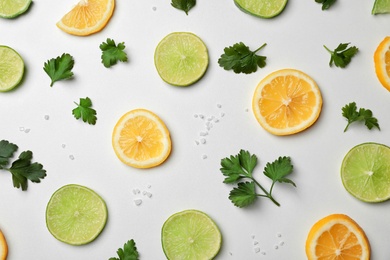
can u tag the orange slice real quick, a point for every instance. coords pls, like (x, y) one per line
(87, 17)
(382, 62)
(3, 247)
(141, 139)
(286, 102)
(337, 237)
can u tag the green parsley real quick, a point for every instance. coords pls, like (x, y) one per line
(21, 169)
(352, 114)
(85, 111)
(342, 55)
(112, 53)
(238, 168)
(59, 68)
(326, 3)
(241, 59)
(129, 252)
(184, 5)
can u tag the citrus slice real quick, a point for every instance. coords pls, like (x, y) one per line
(181, 58)
(286, 102)
(87, 17)
(75, 214)
(3, 247)
(381, 7)
(382, 62)
(262, 8)
(337, 236)
(141, 139)
(11, 68)
(13, 8)
(192, 235)
(365, 172)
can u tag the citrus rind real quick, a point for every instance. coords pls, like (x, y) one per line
(19, 7)
(3, 247)
(261, 8)
(382, 62)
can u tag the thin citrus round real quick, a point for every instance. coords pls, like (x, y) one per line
(337, 236)
(286, 102)
(381, 7)
(382, 62)
(11, 68)
(365, 172)
(141, 139)
(87, 17)
(262, 8)
(181, 58)
(13, 8)
(3, 247)
(191, 235)
(75, 214)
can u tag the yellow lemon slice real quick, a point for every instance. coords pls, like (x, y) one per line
(3, 247)
(382, 62)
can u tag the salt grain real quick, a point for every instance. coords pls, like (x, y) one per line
(257, 249)
(203, 141)
(46, 117)
(27, 130)
(137, 202)
(71, 157)
(204, 156)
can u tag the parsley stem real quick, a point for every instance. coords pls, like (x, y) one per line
(266, 193)
(328, 49)
(262, 46)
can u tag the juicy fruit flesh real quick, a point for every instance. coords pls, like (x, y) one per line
(181, 58)
(381, 7)
(12, 8)
(382, 62)
(11, 68)
(262, 8)
(190, 235)
(366, 172)
(387, 62)
(85, 14)
(76, 215)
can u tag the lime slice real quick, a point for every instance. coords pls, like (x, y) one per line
(13, 8)
(11, 68)
(365, 172)
(191, 235)
(76, 214)
(181, 58)
(262, 8)
(381, 7)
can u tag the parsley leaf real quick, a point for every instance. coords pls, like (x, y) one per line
(342, 55)
(184, 5)
(352, 114)
(112, 53)
(326, 3)
(241, 166)
(59, 68)
(241, 59)
(129, 252)
(84, 111)
(21, 169)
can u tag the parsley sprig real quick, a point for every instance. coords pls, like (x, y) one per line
(184, 5)
(129, 252)
(352, 114)
(241, 59)
(326, 3)
(112, 52)
(239, 169)
(85, 111)
(59, 68)
(342, 55)
(21, 169)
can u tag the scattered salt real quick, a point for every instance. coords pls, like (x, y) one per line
(204, 156)
(219, 105)
(46, 117)
(203, 141)
(21, 128)
(257, 249)
(137, 202)
(71, 157)
(63, 145)
(27, 130)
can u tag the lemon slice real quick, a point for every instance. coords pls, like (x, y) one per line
(13, 8)
(75, 214)
(181, 58)
(11, 68)
(262, 8)
(3, 247)
(192, 235)
(382, 62)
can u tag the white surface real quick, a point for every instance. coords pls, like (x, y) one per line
(294, 39)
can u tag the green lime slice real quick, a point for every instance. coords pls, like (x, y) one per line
(75, 214)
(181, 58)
(262, 8)
(381, 7)
(365, 172)
(11, 68)
(13, 8)
(190, 235)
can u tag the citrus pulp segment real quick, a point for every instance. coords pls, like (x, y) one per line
(192, 235)
(141, 139)
(382, 62)
(87, 17)
(3, 247)
(381, 7)
(181, 58)
(75, 214)
(11, 68)
(337, 236)
(286, 102)
(13, 8)
(262, 8)
(365, 172)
